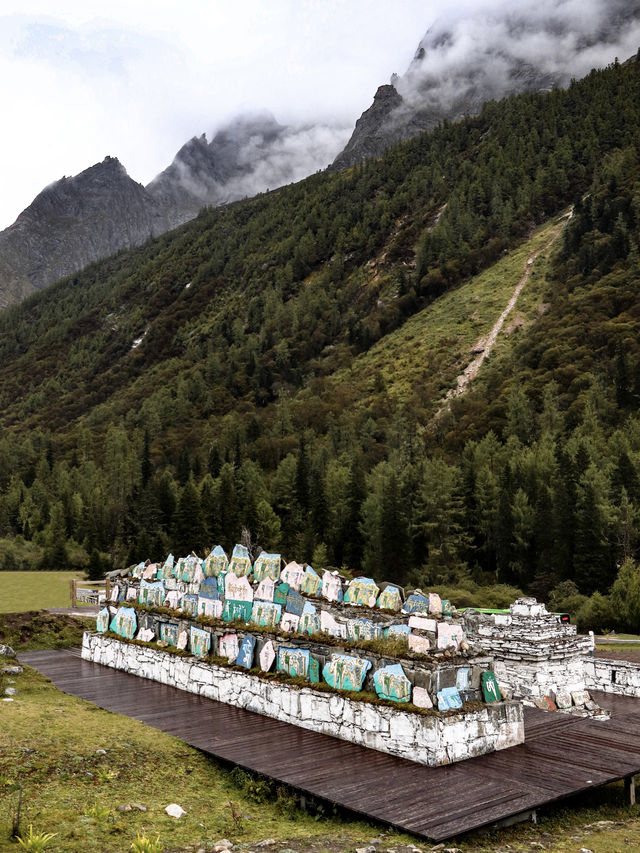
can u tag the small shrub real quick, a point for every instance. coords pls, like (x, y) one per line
(35, 842)
(143, 844)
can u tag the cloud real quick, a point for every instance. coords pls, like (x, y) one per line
(486, 49)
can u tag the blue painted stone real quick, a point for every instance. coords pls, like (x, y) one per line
(245, 653)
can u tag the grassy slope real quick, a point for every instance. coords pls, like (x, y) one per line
(20, 591)
(425, 355)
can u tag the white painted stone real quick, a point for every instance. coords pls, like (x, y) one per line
(418, 643)
(421, 698)
(421, 623)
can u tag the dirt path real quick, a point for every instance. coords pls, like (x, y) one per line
(485, 344)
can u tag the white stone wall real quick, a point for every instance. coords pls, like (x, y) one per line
(433, 740)
(613, 676)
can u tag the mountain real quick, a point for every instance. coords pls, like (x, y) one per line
(487, 53)
(305, 364)
(80, 219)
(71, 223)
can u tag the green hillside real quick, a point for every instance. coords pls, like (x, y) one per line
(283, 364)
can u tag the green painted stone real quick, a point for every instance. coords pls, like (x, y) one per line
(490, 689)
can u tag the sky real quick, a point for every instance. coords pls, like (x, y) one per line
(135, 80)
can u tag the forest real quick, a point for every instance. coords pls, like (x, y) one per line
(221, 377)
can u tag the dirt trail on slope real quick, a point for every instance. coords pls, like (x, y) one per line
(486, 344)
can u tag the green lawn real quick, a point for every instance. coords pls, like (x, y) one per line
(20, 591)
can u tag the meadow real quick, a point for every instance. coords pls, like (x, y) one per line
(20, 591)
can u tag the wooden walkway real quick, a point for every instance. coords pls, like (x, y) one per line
(562, 755)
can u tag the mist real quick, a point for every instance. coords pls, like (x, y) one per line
(490, 49)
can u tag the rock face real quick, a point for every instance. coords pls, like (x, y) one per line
(80, 219)
(486, 54)
(69, 224)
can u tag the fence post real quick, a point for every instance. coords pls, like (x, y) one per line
(72, 584)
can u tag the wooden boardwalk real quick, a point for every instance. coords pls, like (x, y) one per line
(562, 755)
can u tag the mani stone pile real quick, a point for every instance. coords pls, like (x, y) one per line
(536, 656)
(260, 616)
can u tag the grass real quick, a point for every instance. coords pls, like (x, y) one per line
(426, 354)
(41, 630)
(52, 745)
(21, 591)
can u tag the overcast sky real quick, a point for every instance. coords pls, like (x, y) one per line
(135, 80)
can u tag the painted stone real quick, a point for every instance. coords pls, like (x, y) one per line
(189, 604)
(416, 603)
(309, 620)
(122, 592)
(145, 635)
(280, 594)
(240, 563)
(462, 678)
(151, 593)
(292, 574)
(363, 629)
(236, 611)
(228, 647)
(435, 604)
(311, 582)
(397, 631)
(294, 662)
(172, 599)
(331, 626)
(199, 642)
(449, 635)
(295, 603)
(169, 633)
(314, 669)
(391, 683)
(102, 620)
(421, 698)
(266, 590)
(422, 623)
(266, 614)
(167, 568)
(449, 699)
(362, 592)
(209, 589)
(245, 653)
(490, 689)
(217, 563)
(344, 672)
(150, 572)
(289, 623)
(170, 583)
(267, 656)
(188, 568)
(183, 639)
(580, 697)
(447, 607)
(267, 566)
(115, 592)
(390, 598)
(209, 607)
(132, 593)
(237, 588)
(331, 587)
(124, 623)
(419, 644)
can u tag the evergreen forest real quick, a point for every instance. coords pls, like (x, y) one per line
(280, 366)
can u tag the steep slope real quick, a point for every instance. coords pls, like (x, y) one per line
(102, 210)
(71, 223)
(483, 53)
(279, 363)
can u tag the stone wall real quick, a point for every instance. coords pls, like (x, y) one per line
(613, 676)
(534, 653)
(431, 739)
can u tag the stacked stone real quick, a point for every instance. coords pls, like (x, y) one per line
(535, 654)
(428, 739)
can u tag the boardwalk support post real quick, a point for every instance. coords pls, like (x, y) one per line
(630, 790)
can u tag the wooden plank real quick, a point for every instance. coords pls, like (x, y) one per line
(562, 754)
